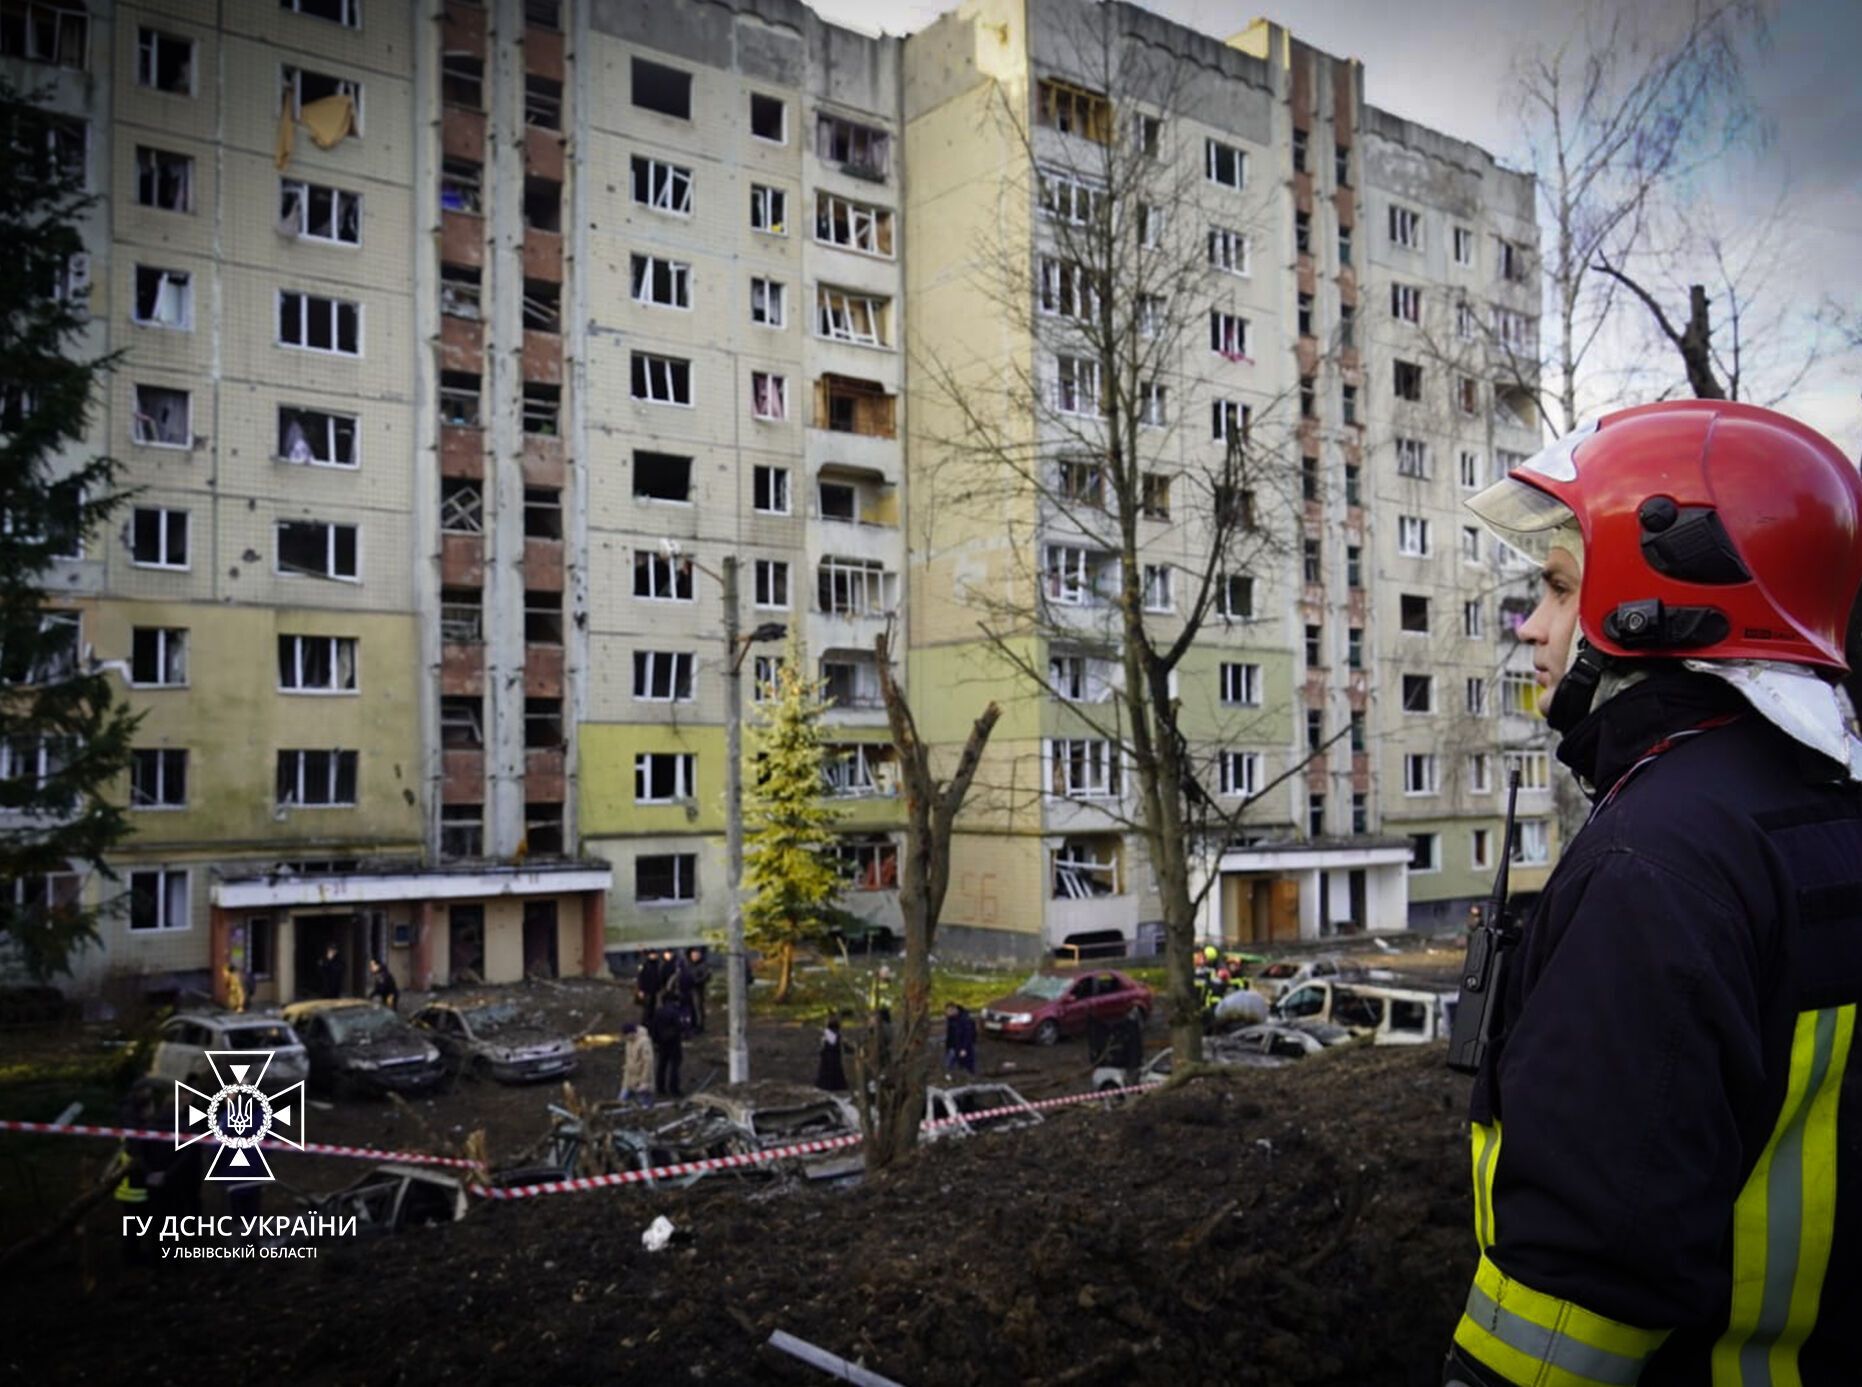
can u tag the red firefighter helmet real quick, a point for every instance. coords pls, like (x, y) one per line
(1711, 530)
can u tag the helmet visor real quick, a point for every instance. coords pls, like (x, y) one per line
(1527, 519)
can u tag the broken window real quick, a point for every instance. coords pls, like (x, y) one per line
(158, 656)
(308, 88)
(661, 777)
(1406, 380)
(1302, 232)
(162, 418)
(461, 616)
(1069, 197)
(769, 396)
(462, 80)
(862, 150)
(854, 587)
(772, 584)
(1413, 609)
(662, 477)
(838, 501)
(1240, 773)
(542, 618)
(164, 61)
(164, 179)
(856, 770)
(318, 548)
(316, 778)
(462, 830)
(848, 317)
(866, 862)
(665, 878)
(318, 324)
(543, 837)
(1419, 693)
(662, 577)
(542, 306)
(462, 724)
(1073, 110)
(1228, 335)
(769, 490)
(461, 185)
(1229, 419)
(657, 280)
(766, 302)
(1224, 164)
(347, 13)
(850, 682)
(663, 676)
(45, 31)
(664, 380)
(1405, 227)
(542, 512)
(542, 409)
(312, 212)
(1241, 684)
(1083, 768)
(1154, 497)
(662, 186)
(459, 291)
(769, 210)
(1076, 385)
(543, 722)
(854, 225)
(1080, 482)
(462, 507)
(1420, 775)
(769, 118)
(1412, 456)
(164, 298)
(1406, 303)
(158, 538)
(1235, 596)
(1068, 290)
(667, 90)
(542, 204)
(1153, 404)
(317, 664)
(459, 399)
(542, 103)
(158, 899)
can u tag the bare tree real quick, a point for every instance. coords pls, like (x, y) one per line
(892, 1106)
(1124, 258)
(1615, 118)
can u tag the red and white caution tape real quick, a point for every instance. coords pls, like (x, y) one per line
(778, 1153)
(313, 1148)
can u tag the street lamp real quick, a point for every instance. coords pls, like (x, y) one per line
(735, 647)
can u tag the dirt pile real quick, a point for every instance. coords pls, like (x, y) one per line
(1306, 1225)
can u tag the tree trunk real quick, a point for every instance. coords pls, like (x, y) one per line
(785, 970)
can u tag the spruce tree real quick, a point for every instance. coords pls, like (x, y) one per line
(789, 825)
(64, 738)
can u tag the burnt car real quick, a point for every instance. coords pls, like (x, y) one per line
(491, 1038)
(967, 1109)
(359, 1045)
(393, 1197)
(1050, 1005)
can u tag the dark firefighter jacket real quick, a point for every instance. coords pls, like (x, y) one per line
(1667, 1137)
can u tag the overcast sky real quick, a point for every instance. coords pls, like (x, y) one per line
(1445, 63)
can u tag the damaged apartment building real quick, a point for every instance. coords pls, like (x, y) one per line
(470, 349)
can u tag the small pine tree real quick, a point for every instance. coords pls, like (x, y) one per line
(789, 825)
(63, 736)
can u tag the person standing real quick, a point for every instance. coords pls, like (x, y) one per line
(637, 1077)
(668, 1036)
(959, 1039)
(701, 982)
(330, 972)
(383, 988)
(1678, 1195)
(235, 989)
(646, 986)
(830, 1067)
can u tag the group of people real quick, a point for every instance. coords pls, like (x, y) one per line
(330, 980)
(670, 990)
(1217, 975)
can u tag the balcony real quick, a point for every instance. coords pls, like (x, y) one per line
(462, 668)
(462, 345)
(543, 153)
(544, 464)
(542, 358)
(462, 561)
(543, 564)
(462, 134)
(543, 53)
(542, 253)
(464, 30)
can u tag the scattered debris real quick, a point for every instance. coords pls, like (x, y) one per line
(658, 1234)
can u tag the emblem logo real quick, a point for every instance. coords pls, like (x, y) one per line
(239, 1116)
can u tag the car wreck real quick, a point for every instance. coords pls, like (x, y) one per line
(966, 1109)
(358, 1045)
(490, 1038)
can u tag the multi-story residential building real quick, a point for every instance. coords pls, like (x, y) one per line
(472, 350)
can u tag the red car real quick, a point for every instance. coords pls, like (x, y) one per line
(1050, 1005)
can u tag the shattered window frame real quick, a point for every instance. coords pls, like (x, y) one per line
(323, 438)
(298, 212)
(154, 418)
(164, 180)
(341, 545)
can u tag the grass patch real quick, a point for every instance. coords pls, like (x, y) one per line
(851, 988)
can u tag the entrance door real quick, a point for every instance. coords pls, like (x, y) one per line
(317, 975)
(539, 939)
(1360, 914)
(465, 943)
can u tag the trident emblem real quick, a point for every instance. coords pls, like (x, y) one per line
(239, 1115)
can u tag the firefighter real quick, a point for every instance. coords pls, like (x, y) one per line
(1667, 1127)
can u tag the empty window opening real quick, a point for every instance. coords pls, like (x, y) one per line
(769, 210)
(158, 656)
(542, 409)
(542, 617)
(661, 379)
(318, 548)
(462, 830)
(316, 778)
(662, 186)
(462, 80)
(462, 507)
(657, 280)
(45, 31)
(542, 204)
(847, 405)
(842, 222)
(543, 722)
(164, 179)
(862, 150)
(462, 722)
(662, 477)
(461, 185)
(543, 103)
(839, 501)
(1414, 611)
(663, 676)
(461, 616)
(667, 90)
(459, 399)
(769, 118)
(1418, 693)
(542, 306)
(662, 777)
(158, 538)
(542, 512)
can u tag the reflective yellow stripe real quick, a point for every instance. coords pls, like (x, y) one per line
(1783, 1218)
(1486, 1155)
(1536, 1338)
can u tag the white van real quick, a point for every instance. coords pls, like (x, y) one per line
(1389, 1015)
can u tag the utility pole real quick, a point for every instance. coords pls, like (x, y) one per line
(736, 991)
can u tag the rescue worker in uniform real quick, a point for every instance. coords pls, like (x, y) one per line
(1667, 1124)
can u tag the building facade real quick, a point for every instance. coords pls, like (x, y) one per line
(471, 352)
